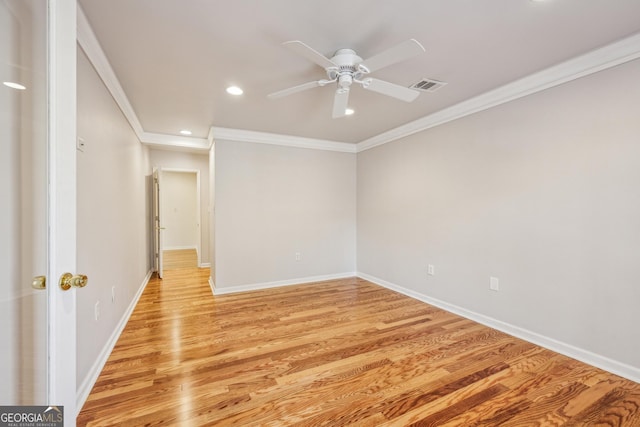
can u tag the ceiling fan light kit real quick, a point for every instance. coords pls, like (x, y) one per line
(345, 67)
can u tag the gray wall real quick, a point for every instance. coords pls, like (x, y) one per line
(181, 216)
(113, 217)
(542, 193)
(273, 202)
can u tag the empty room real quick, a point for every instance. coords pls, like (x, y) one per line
(322, 213)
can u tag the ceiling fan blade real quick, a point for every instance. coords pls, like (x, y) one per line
(340, 102)
(309, 53)
(295, 89)
(398, 53)
(390, 89)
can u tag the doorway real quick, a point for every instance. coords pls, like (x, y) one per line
(179, 219)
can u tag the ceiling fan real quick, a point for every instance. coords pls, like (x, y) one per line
(345, 67)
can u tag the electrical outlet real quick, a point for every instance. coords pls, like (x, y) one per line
(298, 256)
(97, 310)
(494, 284)
(113, 294)
(431, 270)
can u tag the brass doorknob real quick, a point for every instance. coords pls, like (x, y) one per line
(39, 282)
(68, 281)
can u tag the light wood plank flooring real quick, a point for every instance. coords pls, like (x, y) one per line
(342, 352)
(179, 258)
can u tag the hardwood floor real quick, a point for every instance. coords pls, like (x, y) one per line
(342, 352)
(179, 258)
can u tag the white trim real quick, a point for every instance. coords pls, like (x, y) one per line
(212, 285)
(92, 376)
(61, 193)
(91, 46)
(199, 219)
(205, 265)
(277, 284)
(160, 140)
(627, 371)
(276, 139)
(609, 56)
(179, 248)
(180, 170)
(210, 138)
(157, 221)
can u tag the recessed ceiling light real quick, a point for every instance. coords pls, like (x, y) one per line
(185, 132)
(14, 85)
(234, 90)
(349, 111)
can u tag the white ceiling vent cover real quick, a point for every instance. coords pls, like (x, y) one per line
(428, 85)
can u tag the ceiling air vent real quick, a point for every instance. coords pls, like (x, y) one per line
(428, 85)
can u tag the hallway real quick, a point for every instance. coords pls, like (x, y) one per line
(151, 372)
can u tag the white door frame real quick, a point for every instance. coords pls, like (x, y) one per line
(61, 43)
(158, 246)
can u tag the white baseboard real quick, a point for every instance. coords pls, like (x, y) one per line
(205, 265)
(179, 248)
(267, 285)
(212, 285)
(627, 371)
(92, 376)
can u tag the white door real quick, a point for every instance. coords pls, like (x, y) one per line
(23, 165)
(62, 205)
(158, 235)
(37, 189)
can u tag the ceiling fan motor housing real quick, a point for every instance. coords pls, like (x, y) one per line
(347, 69)
(346, 57)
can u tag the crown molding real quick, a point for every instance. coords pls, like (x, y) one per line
(617, 53)
(91, 46)
(276, 139)
(89, 43)
(161, 140)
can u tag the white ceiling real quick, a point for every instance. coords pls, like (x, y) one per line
(174, 58)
